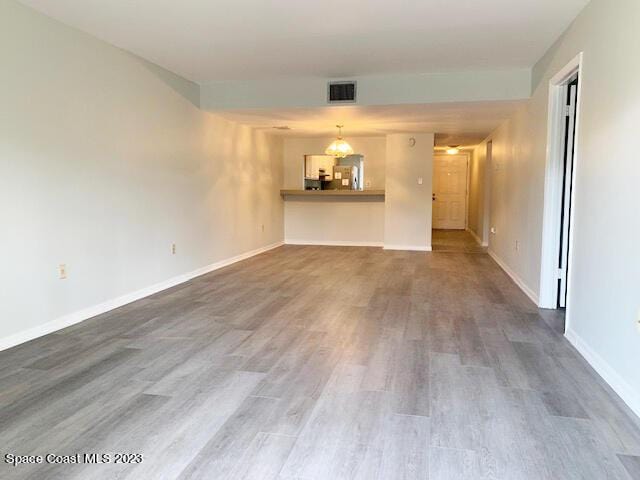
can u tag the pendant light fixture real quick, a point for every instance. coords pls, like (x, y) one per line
(339, 148)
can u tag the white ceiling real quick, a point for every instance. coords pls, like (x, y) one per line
(207, 40)
(464, 124)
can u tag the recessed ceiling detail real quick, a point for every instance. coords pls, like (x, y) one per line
(453, 123)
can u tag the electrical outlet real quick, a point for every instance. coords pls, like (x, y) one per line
(517, 245)
(62, 271)
(419, 180)
(173, 249)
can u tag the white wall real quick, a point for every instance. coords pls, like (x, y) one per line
(478, 191)
(408, 204)
(605, 278)
(104, 163)
(517, 195)
(334, 221)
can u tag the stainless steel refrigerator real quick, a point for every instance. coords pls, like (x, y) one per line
(345, 177)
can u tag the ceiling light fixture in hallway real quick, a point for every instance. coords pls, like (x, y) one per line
(453, 149)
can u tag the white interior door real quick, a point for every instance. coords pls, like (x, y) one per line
(450, 192)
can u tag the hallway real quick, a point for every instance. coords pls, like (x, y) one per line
(458, 241)
(386, 365)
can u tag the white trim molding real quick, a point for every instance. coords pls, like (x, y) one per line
(514, 276)
(333, 243)
(84, 314)
(408, 248)
(608, 374)
(553, 184)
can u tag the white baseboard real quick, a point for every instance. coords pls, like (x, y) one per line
(410, 248)
(477, 238)
(79, 316)
(518, 281)
(615, 381)
(333, 243)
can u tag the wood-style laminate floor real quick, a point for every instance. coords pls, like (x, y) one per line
(319, 363)
(455, 241)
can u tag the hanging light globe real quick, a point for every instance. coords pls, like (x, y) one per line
(339, 148)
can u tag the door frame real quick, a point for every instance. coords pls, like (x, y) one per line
(554, 173)
(439, 153)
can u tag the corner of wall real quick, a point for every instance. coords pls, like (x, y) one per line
(186, 88)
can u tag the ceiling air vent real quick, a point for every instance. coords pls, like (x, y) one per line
(341, 92)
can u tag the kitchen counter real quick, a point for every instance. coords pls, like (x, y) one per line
(332, 193)
(334, 217)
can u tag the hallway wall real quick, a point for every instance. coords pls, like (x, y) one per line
(517, 194)
(477, 192)
(604, 302)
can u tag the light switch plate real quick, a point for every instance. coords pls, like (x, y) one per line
(419, 180)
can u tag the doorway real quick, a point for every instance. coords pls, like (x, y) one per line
(559, 205)
(449, 198)
(567, 189)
